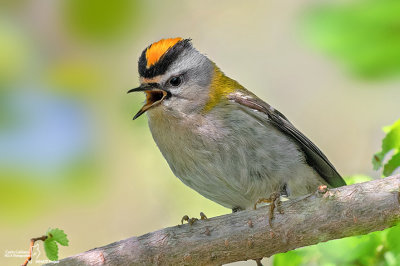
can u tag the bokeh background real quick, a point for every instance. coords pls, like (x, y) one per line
(70, 155)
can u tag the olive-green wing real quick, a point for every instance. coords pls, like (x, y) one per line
(314, 156)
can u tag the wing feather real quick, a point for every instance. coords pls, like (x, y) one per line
(314, 156)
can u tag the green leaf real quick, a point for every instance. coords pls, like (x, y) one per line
(58, 235)
(51, 249)
(390, 143)
(392, 165)
(50, 244)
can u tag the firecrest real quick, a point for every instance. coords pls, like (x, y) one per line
(219, 138)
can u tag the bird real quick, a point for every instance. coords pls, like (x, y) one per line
(219, 138)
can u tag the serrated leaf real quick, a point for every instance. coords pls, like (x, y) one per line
(58, 235)
(391, 142)
(392, 165)
(51, 249)
(392, 139)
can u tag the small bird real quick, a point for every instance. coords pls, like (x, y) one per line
(221, 139)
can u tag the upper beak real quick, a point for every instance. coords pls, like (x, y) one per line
(154, 96)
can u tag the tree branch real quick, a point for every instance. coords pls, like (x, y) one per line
(322, 216)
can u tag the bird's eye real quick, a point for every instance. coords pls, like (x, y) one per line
(175, 81)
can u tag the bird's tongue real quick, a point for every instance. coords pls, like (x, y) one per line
(153, 97)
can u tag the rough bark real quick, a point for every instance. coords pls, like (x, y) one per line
(318, 217)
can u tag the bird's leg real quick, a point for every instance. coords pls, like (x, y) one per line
(193, 219)
(274, 201)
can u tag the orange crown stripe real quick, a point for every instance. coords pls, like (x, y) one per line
(158, 49)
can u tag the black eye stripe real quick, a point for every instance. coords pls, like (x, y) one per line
(153, 85)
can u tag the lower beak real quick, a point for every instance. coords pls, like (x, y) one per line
(154, 96)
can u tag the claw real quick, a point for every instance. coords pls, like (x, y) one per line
(185, 218)
(192, 220)
(203, 216)
(236, 209)
(274, 201)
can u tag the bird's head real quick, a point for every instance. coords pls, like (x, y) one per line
(178, 79)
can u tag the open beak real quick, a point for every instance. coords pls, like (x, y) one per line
(154, 96)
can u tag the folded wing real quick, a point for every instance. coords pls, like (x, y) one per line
(314, 156)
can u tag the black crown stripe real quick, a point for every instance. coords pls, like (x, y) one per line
(164, 62)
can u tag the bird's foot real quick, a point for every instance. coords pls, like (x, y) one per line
(193, 219)
(274, 202)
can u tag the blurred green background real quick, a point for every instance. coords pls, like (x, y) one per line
(70, 155)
